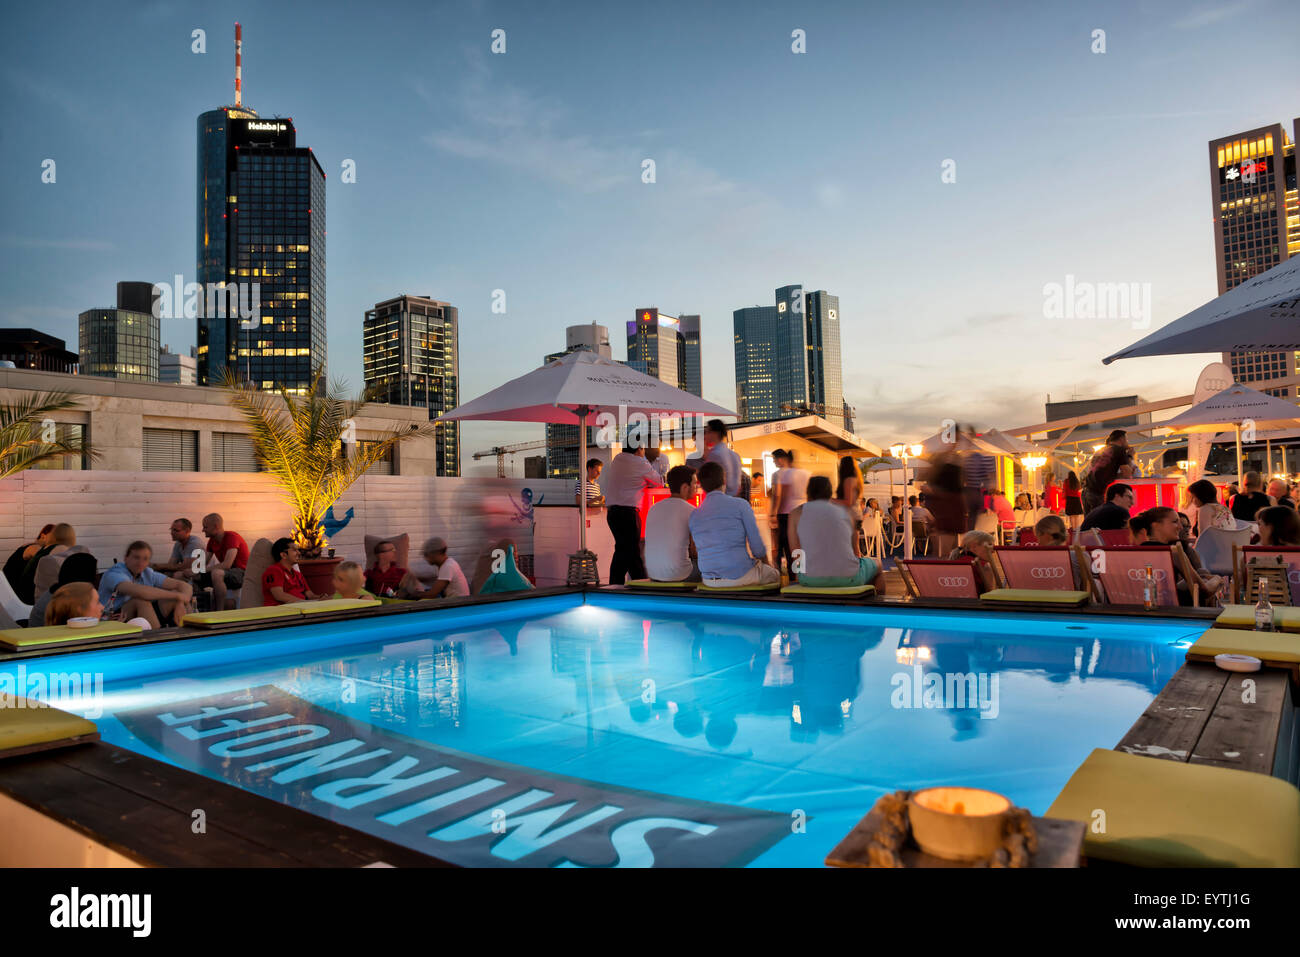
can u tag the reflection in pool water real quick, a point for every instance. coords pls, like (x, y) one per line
(809, 714)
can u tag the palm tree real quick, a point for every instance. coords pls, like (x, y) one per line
(299, 440)
(26, 436)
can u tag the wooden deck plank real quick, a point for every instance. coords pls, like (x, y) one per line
(1173, 722)
(1243, 734)
(143, 809)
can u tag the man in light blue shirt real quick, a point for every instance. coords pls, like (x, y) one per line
(716, 450)
(131, 589)
(721, 528)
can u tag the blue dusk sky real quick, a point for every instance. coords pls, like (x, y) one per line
(522, 172)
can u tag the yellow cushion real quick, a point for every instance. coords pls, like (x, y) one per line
(843, 590)
(1264, 645)
(1036, 594)
(1288, 619)
(704, 586)
(1239, 616)
(1162, 813)
(650, 583)
(17, 639)
(332, 604)
(206, 619)
(27, 725)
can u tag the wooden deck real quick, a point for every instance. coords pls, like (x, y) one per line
(1205, 715)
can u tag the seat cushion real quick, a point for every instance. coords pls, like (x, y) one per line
(1240, 616)
(1264, 645)
(23, 639)
(1036, 595)
(670, 586)
(332, 604)
(704, 586)
(27, 726)
(209, 619)
(840, 590)
(1286, 618)
(1162, 813)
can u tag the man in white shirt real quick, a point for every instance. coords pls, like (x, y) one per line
(669, 551)
(628, 475)
(789, 490)
(450, 582)
(659, 461)
(716, 450)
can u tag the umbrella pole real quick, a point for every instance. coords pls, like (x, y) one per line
(582, 565)
(1239, 475)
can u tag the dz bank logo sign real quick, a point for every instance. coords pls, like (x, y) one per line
(458, 807)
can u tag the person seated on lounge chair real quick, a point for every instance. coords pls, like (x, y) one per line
(450, 582)
(1050, 531)
(669, 551)
(73, 600)
(1279, 527)
(78, 567)
(348, 582)
(21, 555)
(1166, 529)
(979, 546)
(1139, 526)
(823, 537)
(131, 589)
(385, 575)
(283, 583)
(721, 528)
(61, 538)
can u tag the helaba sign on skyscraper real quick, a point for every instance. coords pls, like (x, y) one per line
(260, 218)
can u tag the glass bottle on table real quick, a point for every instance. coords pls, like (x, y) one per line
(1263, 608)
(1149, 590)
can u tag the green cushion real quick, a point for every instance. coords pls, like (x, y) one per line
(1037, 595)
(650, 583)
(841, 590)
(17, 639)
(1239, 616)
(207, 619)
(27, 726)
(1264, 645)
(704, 586)
(1160, 813)
(333, 604)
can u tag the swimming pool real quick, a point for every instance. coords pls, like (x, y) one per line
(569, 731)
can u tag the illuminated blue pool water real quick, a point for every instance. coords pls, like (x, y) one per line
(634, 729)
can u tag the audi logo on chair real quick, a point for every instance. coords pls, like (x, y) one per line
(953, 581)
(1047, 572)
(1137, 574)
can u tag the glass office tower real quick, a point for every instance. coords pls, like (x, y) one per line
(261, 224)
(121, 343)
(755, 346)
(788, 357)
(411, 357)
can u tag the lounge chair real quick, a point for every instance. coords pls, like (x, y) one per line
(940, 578)
(1046, 573)
(864, 592)
(28, 726)
(17, 610)
(649, 584)
(57, 636)
(1122, 571)
(1217, 548)
(1242, 556)
(259, 560)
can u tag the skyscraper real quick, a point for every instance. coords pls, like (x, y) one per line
(122, 342)
(562, 446)
(788, 357)
(692, 379)
(411, 356)
(656, 346)
(261, 224)
(755, 346)
(1256, 226)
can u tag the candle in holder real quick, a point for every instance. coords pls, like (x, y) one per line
(956, 823)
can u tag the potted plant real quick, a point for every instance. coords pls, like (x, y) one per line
(307, 443)
(29, 437)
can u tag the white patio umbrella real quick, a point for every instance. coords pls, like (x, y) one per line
(1262, 314)
(575, 389)
(1236, 406)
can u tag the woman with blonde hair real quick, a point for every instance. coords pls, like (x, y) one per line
(348, 582)
(979, 546)
(73, 600)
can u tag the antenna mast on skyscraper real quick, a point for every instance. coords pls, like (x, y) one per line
(239, 52)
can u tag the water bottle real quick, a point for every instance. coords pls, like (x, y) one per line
(1263, 608)
(1149, 590)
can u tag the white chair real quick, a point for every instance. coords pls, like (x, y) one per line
(1214, 546)
(9, 601)
(987, 522)
(873, 535)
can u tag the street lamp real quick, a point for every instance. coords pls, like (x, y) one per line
(904, 452)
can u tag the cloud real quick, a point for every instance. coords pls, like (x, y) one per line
(1207, 16)
(984, 319)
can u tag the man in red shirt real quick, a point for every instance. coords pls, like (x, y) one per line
(385, 575)
(283, 582)
(226, 562)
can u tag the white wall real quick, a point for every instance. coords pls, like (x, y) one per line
(111, 509)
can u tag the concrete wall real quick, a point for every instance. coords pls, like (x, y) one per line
(111, 509)
(117, 411)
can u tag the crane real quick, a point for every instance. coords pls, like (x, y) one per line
(501, 451)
